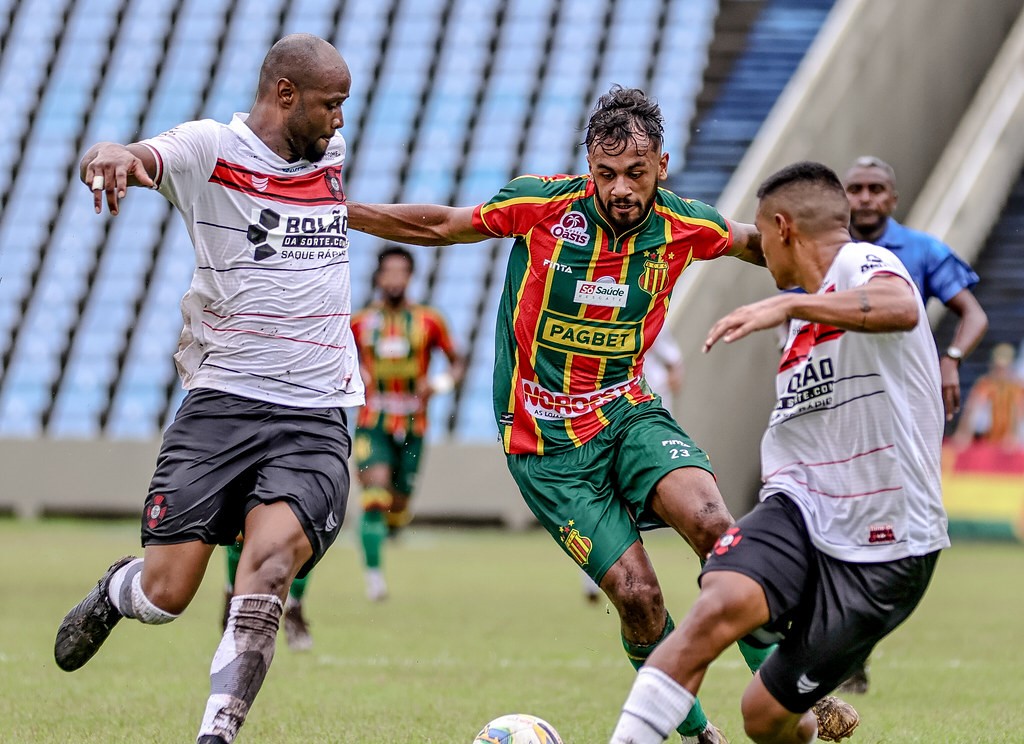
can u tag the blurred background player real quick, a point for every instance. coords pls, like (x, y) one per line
(664, 370)
(396, 339)
(994, 411)
(936, 270)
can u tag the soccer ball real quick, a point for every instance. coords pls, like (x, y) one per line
(518, 728)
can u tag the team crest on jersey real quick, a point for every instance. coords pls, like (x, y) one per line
(572, 228)
(577, 545)
(332, 176)
(655, 277)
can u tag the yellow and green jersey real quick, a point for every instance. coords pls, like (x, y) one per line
(581, 305)
(395, 345)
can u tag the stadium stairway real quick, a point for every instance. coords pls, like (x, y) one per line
(759, 43)
(1000, 290)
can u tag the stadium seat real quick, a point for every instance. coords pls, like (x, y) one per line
(457, 109)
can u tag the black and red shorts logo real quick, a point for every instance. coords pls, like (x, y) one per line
(156, 510)
(729, 540)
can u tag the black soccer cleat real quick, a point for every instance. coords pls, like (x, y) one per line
(87, 624)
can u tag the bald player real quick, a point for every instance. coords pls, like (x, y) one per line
(260, 443)
(843, 544)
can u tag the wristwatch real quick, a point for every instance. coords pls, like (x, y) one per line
(955, 352)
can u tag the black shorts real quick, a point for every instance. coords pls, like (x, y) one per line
(826, 614)
(225, 454)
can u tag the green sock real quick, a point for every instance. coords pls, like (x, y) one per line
(753, 655)
(298, 588)
(233, 553)
(696, 720)
(373, 531)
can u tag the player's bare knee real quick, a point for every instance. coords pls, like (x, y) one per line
(638, 599)
(758, 724)
(713, 520)
(167, 593)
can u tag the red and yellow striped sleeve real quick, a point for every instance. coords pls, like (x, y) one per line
(525, 201)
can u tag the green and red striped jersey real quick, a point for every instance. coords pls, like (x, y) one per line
(581, 305)
(395, 345)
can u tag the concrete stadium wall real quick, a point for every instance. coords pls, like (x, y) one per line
(887, 78)
(111, 478)
(890, 79)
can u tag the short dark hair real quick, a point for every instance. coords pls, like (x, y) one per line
(624, 115)
(394, 250)
(806, 171)
(870, 161)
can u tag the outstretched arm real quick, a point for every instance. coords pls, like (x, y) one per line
(109, 168)
(420, 224)
(746, 243)
(884, 305)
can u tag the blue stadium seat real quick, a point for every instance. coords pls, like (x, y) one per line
(539, 85)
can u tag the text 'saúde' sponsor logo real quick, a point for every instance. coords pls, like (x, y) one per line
(605, 292)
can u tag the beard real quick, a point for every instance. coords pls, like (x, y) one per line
(642, 209)
(866, 222)
(315, 151)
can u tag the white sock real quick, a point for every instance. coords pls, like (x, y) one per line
(117, 581)
(125, 593)
(240, 664)
(656, 705)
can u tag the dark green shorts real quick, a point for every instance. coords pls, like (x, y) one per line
(402, 455)
(594, 499)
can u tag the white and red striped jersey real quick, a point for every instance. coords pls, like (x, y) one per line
(855, 438)
(267, 314)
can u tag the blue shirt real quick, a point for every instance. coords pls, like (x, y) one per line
(935, 269)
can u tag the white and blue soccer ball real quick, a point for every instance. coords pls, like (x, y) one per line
(518, 728)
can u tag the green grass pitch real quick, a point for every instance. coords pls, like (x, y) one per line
(480, 623)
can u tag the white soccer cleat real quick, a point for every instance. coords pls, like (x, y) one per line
(376, 587)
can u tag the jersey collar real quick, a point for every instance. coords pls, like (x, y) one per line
(260, 149)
